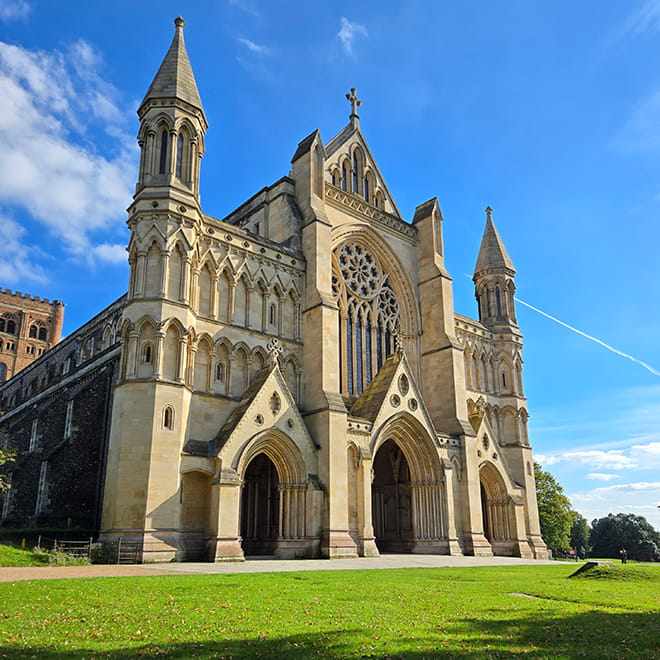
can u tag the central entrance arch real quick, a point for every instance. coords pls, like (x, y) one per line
(407, 495)
(259, 507)
(391, 500)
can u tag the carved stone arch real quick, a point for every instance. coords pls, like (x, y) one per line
(163, 120)
(391, 264)
(335, 175)
(408, 489)
(280, 449)
(345, 172)
(509, 425)
(274, 497)
(222, 365)
(195, 498)
(416, 443)
(241, 289)
(241, 346)
(257, 361)
(181, 123)
(203, 362)
(206, 293)
(292, 372)
(176, 270)
(289, 315)
(239, 370)
(498, 515)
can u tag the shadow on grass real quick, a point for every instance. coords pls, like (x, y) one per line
(598, 635)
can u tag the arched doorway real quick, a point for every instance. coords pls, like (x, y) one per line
(259, 507)
(195, 489)
(391, 500)
(496, 511)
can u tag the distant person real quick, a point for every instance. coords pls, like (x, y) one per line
(623, 553)
(582, 553)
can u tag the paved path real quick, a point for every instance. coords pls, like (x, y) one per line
(9, 574)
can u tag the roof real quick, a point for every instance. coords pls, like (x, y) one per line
(371, 400)
(492, 253)
(175, 77)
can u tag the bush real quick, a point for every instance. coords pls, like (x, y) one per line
(105, 553)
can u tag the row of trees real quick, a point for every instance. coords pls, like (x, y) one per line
(563, 528)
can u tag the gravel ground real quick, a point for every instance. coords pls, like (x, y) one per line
(13, 573)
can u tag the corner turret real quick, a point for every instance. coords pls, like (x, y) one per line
(493, 279)
(172, 128)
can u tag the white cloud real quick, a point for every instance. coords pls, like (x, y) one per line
(52, 102)
(348, 32)
(651, 449)
(596, 459)
(253, 47)
(641, 498)
(14, 9)
(16, 258)
(111, 253)
(620, 490)
(601, 476)
(644, 19)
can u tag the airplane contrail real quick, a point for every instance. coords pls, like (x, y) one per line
(584, 334)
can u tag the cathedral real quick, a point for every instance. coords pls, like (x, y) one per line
(290, 380)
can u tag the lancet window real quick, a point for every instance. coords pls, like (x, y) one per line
(368, 316)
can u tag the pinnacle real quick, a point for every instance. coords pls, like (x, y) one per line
(492, 253)
(175, 79)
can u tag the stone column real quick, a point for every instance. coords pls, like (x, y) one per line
(224, 538)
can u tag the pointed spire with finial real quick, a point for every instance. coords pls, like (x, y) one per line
(492, 253)
(355, 104)
(175, 79)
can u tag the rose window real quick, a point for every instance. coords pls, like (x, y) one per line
(368, 315)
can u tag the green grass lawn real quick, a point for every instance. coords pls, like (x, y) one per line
(11, 556)
(411, 613)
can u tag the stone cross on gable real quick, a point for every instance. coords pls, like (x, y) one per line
(355, 104)
(274, 349)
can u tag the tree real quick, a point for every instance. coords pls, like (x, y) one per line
(580, 532)
(625, 530)
(555, 511)
(6, 456)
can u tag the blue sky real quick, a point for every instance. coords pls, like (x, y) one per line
(547, 111)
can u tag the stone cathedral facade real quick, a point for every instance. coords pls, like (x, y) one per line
(291, 380)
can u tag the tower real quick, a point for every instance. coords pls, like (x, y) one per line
(494, 280)
(151, 400)
(502, 411)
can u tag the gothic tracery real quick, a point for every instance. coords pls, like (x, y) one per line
(368, 315)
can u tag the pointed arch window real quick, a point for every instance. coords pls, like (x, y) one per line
(368, 316)
(179, 155)
(11, 327)
(355, 173)
(33, 332)
(162, 168)
(366, 189)
(43, 334)
(168, 418)
(344, 182)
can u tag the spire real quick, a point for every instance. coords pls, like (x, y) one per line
(492, 253)
(175, 78)
(355, 104)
